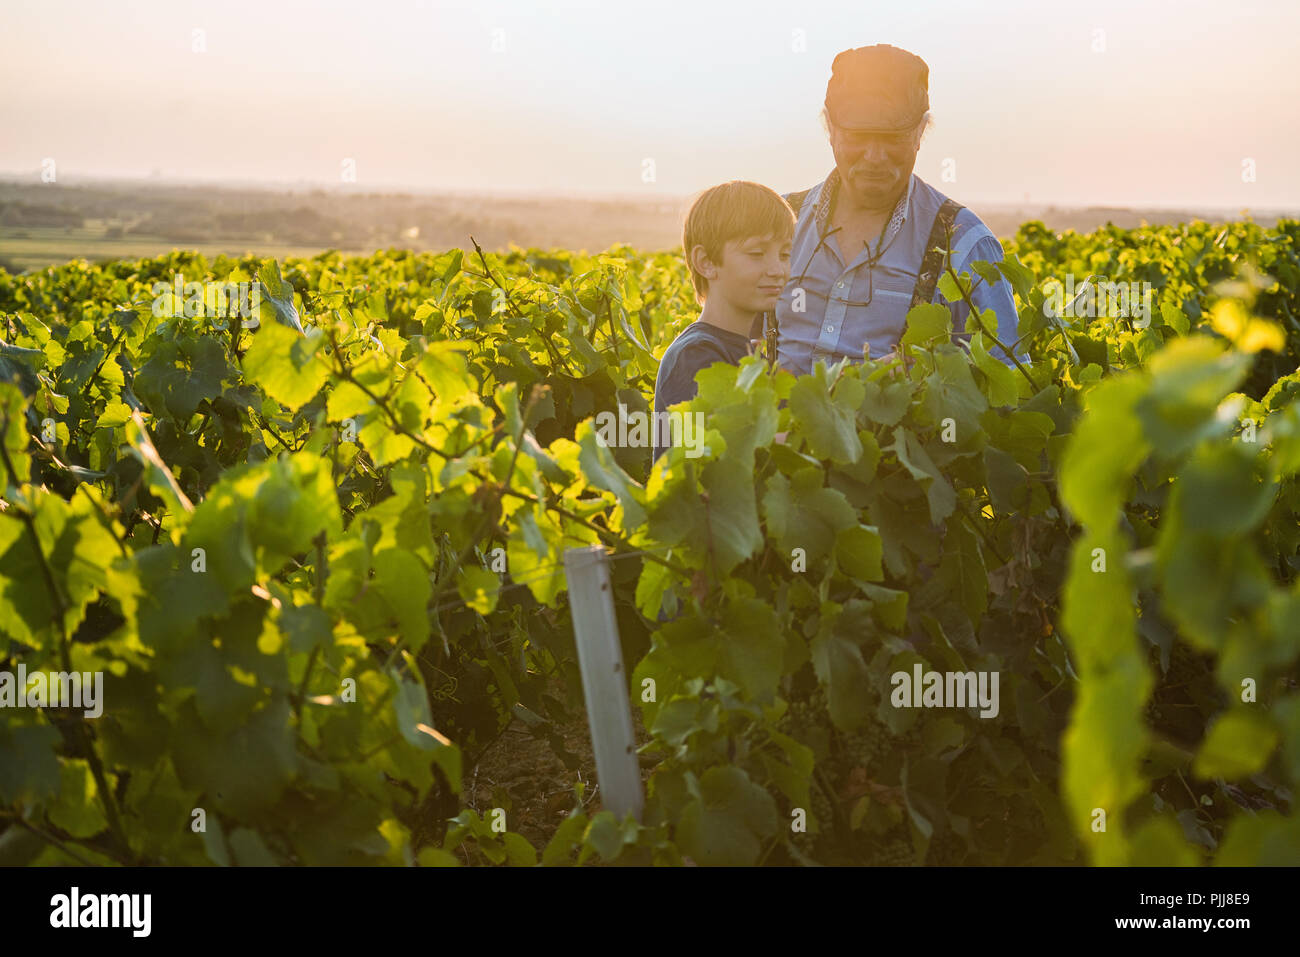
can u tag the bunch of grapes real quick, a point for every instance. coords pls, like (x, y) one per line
(805, 719)
(821, 806)
(862, 747)
(806, 713)
(892, 853)
(946, 850)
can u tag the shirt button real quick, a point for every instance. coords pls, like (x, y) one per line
(839, 285)
(830, 328)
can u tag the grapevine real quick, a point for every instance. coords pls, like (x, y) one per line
(333, 542)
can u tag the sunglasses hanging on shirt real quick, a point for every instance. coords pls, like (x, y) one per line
(769, 319)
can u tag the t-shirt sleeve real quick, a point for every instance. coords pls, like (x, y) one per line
(676, 381)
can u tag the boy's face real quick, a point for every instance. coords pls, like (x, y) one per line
(752, 273)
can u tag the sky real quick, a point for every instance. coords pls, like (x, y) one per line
(1140, 103)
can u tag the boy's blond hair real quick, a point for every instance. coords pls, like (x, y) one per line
(736, 210)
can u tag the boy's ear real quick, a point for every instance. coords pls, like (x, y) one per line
(702, 263)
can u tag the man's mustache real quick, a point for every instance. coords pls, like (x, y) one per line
(877, 173)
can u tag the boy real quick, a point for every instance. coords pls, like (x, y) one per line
(737, 239)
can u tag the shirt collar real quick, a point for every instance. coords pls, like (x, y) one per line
(831, 188)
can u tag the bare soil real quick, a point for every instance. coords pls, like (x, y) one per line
(522, 773)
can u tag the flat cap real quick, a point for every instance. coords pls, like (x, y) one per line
(882, 75)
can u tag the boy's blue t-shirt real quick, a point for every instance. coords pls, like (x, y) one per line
(699, 345)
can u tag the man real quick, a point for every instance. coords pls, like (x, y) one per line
(862, 234)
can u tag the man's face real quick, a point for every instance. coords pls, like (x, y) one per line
(753, 272)
(874, 167)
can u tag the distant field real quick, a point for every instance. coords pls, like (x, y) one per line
(44, 224)
(46, 246)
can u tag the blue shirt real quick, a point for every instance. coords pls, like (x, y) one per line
(698, 345)
(831, 327)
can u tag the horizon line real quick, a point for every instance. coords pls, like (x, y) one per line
(31, 178)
